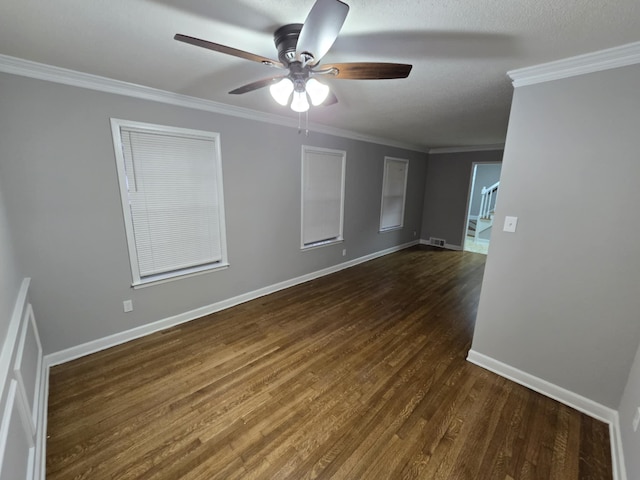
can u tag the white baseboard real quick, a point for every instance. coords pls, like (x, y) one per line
(88, 348)
(562, 395)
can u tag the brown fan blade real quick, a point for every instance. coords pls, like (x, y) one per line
(228, 50)
(265, 82)
(366, 70)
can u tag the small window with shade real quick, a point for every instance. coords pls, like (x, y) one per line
(322, 213)
(172, 200)
(394, 193)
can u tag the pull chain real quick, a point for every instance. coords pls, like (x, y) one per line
(306, 127)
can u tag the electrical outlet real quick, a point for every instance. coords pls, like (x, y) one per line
(415, 233)
(344, 252)
(636, 419)
(128, 305)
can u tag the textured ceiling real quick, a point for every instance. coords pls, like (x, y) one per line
(458, 93)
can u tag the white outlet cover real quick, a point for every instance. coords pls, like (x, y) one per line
(127, 305)
(510, 224)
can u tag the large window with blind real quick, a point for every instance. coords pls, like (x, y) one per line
(172, 200)
(394, 192)
(323, 172)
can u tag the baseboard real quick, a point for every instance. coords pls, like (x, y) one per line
(93, 346)
(562, 395)
(446, 246)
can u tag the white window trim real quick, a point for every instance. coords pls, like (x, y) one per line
(137, 281)
(404, 196)
(339, 238)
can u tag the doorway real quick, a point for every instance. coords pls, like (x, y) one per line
(481, 203)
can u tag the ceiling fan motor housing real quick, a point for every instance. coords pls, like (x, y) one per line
(286, 39)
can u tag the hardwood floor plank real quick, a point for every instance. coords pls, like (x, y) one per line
(357, 375)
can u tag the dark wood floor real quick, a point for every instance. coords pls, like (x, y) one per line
(357, 375)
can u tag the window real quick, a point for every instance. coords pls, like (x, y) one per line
(322, 195)
(394, 192)
(172, 200)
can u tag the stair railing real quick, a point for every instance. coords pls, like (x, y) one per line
(488, 201)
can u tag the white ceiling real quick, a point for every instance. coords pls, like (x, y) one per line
(458, 93)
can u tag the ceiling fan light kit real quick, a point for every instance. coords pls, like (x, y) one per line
(299, 103)
(300, 48)
(281, 91)
(318, 92)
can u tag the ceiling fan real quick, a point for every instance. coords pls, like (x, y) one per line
(300, 49)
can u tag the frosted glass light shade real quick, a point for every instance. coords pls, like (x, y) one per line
(299, 102)
(317, 91)
(281, 91)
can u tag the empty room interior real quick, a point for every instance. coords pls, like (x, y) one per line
(232, 240)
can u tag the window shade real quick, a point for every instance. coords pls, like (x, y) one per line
(173, 197)
(393, 193)
(322, 195)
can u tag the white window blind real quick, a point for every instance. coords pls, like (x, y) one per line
(171, 186)
(394, 190)
(323, 173)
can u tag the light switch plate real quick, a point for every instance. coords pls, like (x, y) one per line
(510, 224)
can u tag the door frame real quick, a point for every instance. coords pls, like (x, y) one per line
(472, 186)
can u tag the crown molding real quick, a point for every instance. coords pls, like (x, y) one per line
(477, 148)
(621, 56)
(50, 73)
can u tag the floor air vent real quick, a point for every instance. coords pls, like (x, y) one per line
(437, 242)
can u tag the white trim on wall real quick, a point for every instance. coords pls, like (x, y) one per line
(621, 56)
(29, 332)
(476, 148)
(567, 397)
(23, 371)
(11, 340)
(50, 73)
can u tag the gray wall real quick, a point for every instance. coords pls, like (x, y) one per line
(61, 190)
(446, 190)
(10, 279)
(486, 175)
(628, 407)
(560, 297)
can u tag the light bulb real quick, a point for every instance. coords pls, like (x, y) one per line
(317, 91)
(281, 91)
(299, 103)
